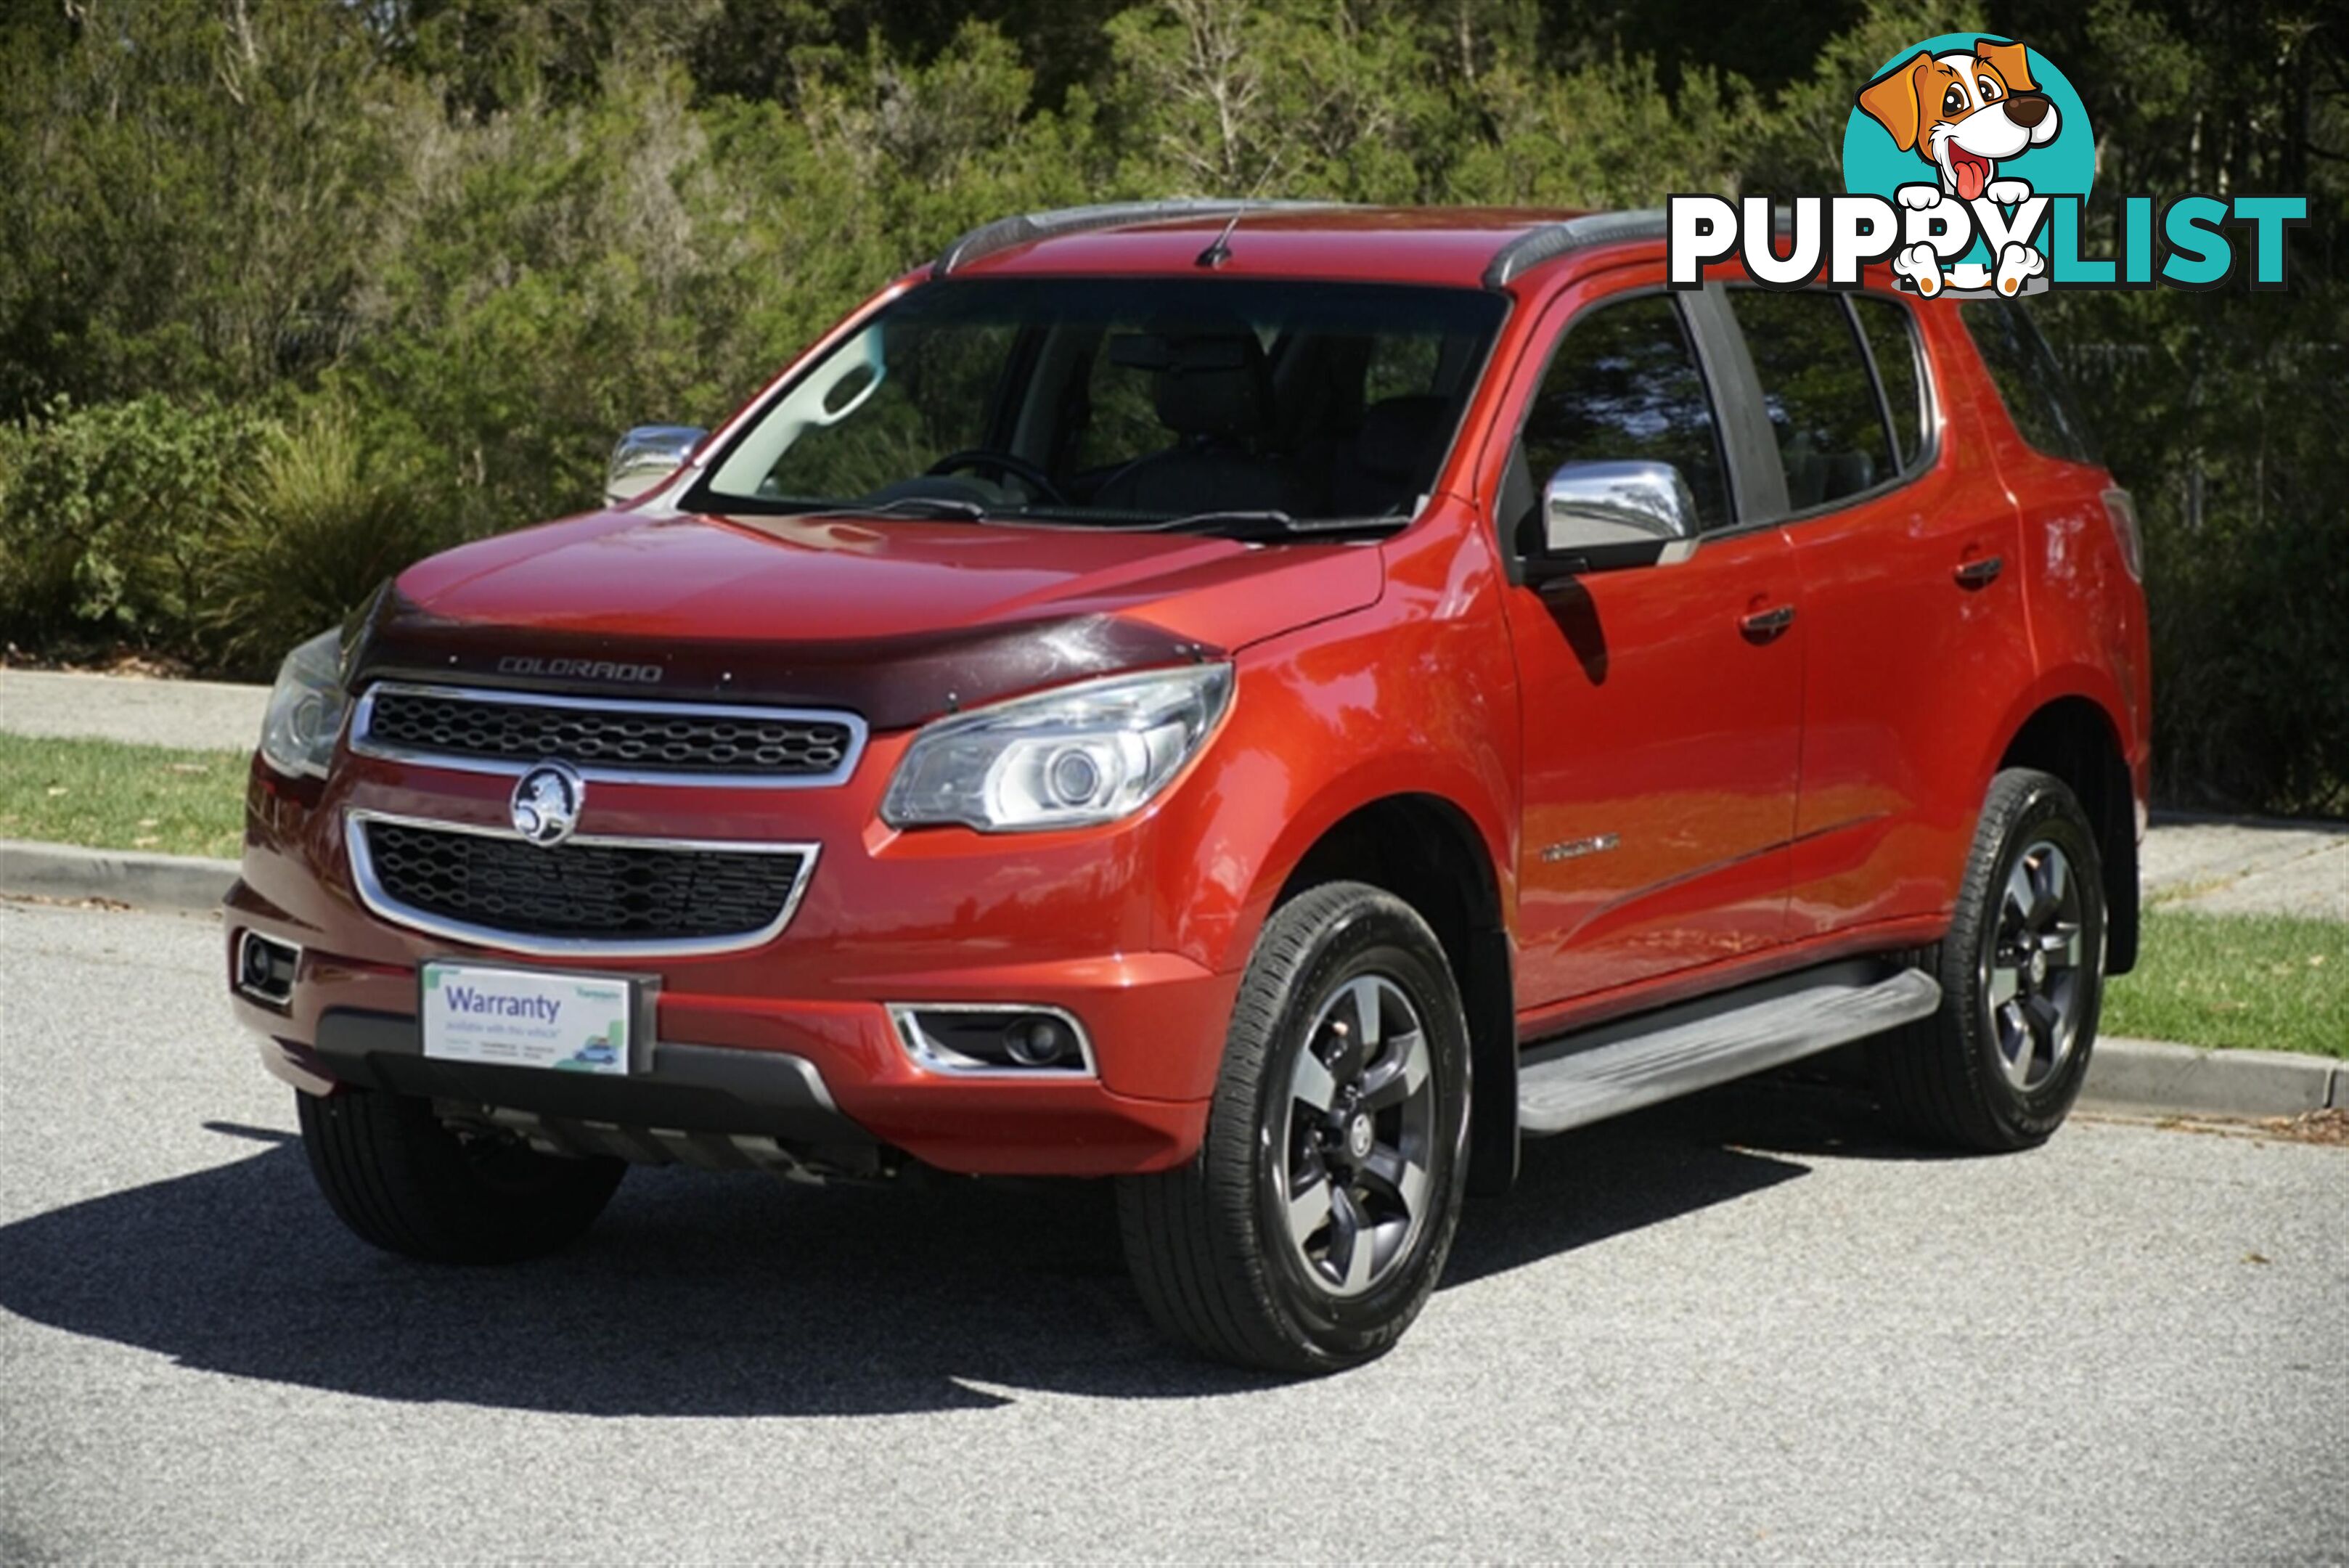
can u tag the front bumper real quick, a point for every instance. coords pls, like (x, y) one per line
(942, 918)
(828, 1078)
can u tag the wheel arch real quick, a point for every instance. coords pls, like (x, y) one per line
(1427, 851)
(2074, 736)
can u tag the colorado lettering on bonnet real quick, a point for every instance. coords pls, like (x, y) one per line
(1966, 163)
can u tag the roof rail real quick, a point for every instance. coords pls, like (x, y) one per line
(1004, 232)
(1535, 247)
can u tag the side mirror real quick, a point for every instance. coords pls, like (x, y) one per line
(644, 456)
(1597, 516)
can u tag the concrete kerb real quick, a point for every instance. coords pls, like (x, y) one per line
(2136, 1078)
(185, 883)
(2153, 1077)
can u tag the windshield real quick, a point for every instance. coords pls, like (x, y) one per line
(1122, 402)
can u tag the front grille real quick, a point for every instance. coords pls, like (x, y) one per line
(582, 892)
(649, 738)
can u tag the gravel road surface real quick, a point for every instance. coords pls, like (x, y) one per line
(1746, 1328)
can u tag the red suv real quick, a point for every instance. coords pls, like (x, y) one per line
(1272, 704)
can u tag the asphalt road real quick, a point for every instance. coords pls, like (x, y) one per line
(1746, 1328)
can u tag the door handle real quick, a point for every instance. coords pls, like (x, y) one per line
(1764, 624)
(1980, 572)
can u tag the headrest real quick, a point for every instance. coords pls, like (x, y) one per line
(1399, 435)
(1210, 374)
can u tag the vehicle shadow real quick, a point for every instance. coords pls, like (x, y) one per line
(702, 1295)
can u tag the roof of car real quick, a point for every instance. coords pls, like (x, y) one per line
(1464, 246)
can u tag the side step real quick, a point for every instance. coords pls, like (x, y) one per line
(1637, 1061)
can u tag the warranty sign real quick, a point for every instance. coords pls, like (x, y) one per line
(525, 1018)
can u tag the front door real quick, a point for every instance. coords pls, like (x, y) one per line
(1661, 705)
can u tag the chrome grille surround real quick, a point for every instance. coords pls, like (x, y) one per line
(639, 741)
(378, 900)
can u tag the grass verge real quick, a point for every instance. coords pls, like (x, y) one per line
(111, 795)
(2268, 982)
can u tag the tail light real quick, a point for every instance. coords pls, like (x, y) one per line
(2121, 513)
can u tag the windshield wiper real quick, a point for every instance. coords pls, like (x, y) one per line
(1269, 525)
(922, 507)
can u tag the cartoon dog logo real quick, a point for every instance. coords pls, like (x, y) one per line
(1960, 112)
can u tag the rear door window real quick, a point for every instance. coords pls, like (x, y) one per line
(1822, 402)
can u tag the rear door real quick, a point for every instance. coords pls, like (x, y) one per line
(1905, 546)
(1661, 705)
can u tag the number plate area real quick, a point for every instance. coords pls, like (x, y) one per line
(563, 1023)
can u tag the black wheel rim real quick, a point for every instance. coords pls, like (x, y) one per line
(1354, 1137)
(2036, 981)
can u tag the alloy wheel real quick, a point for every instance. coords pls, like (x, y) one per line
(2032, 975)
(1358, 1136)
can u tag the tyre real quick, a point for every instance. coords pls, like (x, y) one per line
(404, 1182)
(2022, 975)
(1308, 1231)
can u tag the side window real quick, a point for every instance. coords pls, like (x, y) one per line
(1821, 399)
(1625, 385)
(1891, 334)
(2030, 382)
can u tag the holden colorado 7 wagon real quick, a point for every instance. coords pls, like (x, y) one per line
(1270, 704)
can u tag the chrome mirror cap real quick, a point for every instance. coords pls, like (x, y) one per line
(644, 457)
(1601, 507)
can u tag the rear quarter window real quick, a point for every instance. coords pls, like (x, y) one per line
(2030, 382)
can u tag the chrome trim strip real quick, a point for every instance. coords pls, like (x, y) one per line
(363, 714)
(384, 906)
(925, 1054)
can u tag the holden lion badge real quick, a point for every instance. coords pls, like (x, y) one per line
(548, 801)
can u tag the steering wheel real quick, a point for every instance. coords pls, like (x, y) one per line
(1003, 462)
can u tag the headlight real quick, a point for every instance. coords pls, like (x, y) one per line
(305, 708)
(1085, 754)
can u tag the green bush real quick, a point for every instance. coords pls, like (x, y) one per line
(317, 523)
(215, 535)
(2251, 665)
(110, 517)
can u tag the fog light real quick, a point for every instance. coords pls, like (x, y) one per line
(1005, 1041)
(1037, 1041)
(264, 968)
